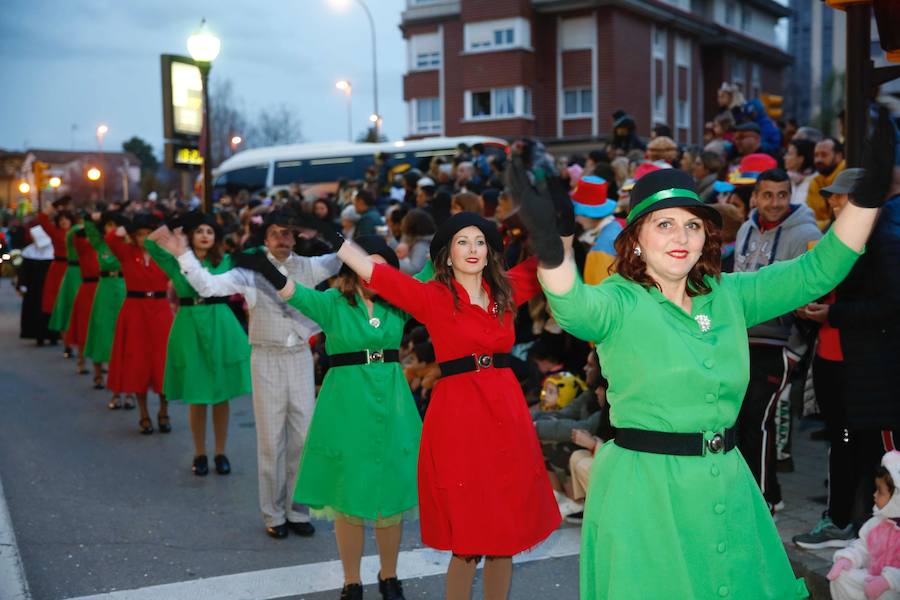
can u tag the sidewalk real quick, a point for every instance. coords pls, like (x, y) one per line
(804, 495)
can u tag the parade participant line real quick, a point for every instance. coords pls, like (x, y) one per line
(13, 584)
(325, 576)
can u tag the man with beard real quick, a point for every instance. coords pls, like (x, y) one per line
(828, 160)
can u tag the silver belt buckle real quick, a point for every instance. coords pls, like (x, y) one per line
(484, 361)
(200, 300)
(148, 294)
(716, 443)
(374, 356)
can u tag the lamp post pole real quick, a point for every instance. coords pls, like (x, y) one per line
(207, 138)
(376, 123)
(346, 87)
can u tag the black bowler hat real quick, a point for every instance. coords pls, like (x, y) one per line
(666, 188)
(374, 244)
(194, 219)
(462, 220)
(748, 126)
(143, 220)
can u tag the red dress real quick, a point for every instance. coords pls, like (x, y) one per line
(138, 357)
(483, 488)
(84, 300)
(59, 265)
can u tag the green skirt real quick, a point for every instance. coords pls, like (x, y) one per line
(105, 311)
(208, 356)
(65, 300)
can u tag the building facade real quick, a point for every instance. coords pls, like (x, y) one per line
(558, 69)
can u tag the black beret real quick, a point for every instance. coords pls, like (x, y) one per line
(143, 220)
(451, 226)
(375, 244)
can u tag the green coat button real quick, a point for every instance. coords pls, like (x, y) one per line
(714, 471)
(709, 363)
(723, 591)
(710, 397)
(719, 508)
(721, 547)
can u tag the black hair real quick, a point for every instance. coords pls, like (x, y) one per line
(549, 347)
(662, 130)
(712, 161)
(598, 156)
(417, 335)
(479, 147)
(775, 175)
(424, 352)
(838, 146)
(396, 215)
(807, 150)
(366, 196)
(883, 474)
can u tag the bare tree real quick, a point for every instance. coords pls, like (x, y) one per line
(276, 125)
(228, 119)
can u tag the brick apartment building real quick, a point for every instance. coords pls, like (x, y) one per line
(558, 69)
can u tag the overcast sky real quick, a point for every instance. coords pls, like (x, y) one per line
(88, 62)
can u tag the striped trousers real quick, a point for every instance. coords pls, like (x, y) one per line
(283, 403)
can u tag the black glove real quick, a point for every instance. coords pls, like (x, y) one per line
(538, 213)
(259, 262)
(562, 202)
(871, 191)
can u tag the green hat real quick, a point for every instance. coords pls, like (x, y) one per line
(666, 188)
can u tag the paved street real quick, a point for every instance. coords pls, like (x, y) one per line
(100, 511)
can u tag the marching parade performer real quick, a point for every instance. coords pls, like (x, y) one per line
(108, 299)
(138, 356)
(65, 298)
(359, 462)
(208, 356)
(56, 228)
(483, 489)
(281, 363)
(37, 257)
(89, 272)
(672, 510)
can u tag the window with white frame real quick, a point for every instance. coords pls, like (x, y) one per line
(427, 115)
(498, 103)
(578, 102)
(683, 96)
(755, 81)
(498, 34)
(576, 34)
(424, 51)
(658, 74)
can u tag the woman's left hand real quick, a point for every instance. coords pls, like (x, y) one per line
(583, 439)
(815, 312)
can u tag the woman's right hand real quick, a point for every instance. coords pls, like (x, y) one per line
(402, 250)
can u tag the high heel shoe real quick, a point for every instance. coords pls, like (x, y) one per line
(223, 467)
(164, 422)
(98, 382)
(352, 591)
(200, 466)
(146, 426)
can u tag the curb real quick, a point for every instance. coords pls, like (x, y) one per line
(812, 569)
(13, 583)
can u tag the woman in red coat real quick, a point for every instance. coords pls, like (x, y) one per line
(84, 300)
(483, 488)
(56, 229)
(138, 358)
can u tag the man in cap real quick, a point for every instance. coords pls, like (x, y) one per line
(594, 212)
(776, 231)
(828, 159)
(281, 363)
(747, 140)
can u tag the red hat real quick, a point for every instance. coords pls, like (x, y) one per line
(591, 198)
(750, 168)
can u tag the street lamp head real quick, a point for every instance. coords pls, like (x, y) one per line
(24, 187)
(101, 130)
(55, 182)
(375, 118)
(344, 86)
(236, 139)
(94, 174)
(203, 46)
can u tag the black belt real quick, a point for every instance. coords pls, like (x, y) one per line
(475, 362)
(60, 259)
(363, 357)
(202, 301)
(110, 273)
(73, 263)
(134, 294)
(679, 444)
(90, 279)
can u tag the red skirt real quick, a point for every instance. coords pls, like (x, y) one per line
(483, 487)
(138, 358)
(81, 315)
(51, 285)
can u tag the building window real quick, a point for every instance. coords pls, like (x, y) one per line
(738, 73)
(755, 81)
(428, 115)
(659, 75)
(746, 18)
(498, 103)
(730, 9)
(682, 76)
(425, 51)
(499, 34)
(578, 102)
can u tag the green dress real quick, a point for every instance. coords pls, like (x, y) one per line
(362, 447)
(68, 289)
(208, 355)
(108, 299)
(664, 526)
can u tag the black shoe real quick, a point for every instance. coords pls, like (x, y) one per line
(146, 426)
(279, 532)
(67, 352)
(165, 423)
(390, 588)
(575, 518)
(301, 528)
(223, 467)
(201, 466)
(39, 343)
(352, 591)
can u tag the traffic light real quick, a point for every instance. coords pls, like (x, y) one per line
(41, 178)
(773, 104)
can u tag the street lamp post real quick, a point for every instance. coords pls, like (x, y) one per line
(344, 86)
(102, 130)
(235, 142)
(375, 118)
(203, 47)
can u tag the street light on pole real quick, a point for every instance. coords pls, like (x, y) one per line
(102, 130)
(344, 86)
(377, 120)
(204, 47)
(235, 142)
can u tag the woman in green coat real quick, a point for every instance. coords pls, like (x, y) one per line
(672, 510)
(108, 298)
(65, 299)
(359, 461)
(208, 355)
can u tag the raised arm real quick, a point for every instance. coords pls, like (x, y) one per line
(167, 262)
(115, 240)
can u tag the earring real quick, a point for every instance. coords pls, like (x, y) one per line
(449, 263)
(637, 250)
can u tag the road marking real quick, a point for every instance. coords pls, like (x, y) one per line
(324, 576)
(13, 584)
